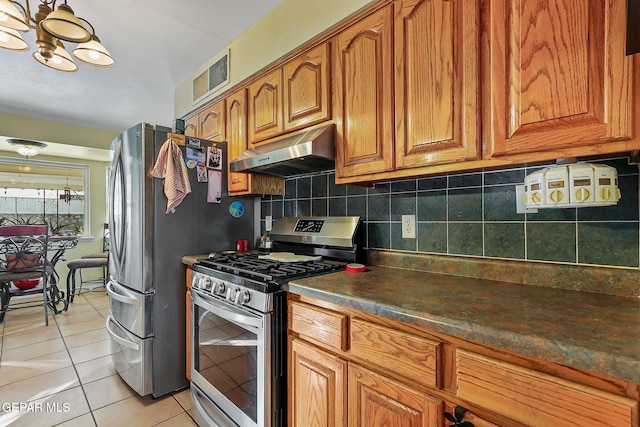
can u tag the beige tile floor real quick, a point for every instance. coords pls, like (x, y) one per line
(61, 374)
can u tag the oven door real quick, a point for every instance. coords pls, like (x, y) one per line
(228, 361)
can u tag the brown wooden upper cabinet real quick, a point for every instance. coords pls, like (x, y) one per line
(191, 126)
(557, 79)
(436, 57)
(363, 102)
(265, 107)
(291, 97)
(431, 116)
(212, 122)
(242, 183)
(237, 138)
(306, 88)
(208, 123)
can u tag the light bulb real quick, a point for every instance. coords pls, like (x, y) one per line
(56, 60)
(4, 37)
(3, 16)
(94, 55)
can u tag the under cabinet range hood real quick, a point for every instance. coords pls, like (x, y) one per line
(302, 152)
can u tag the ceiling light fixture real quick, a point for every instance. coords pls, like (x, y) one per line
(51, 27)
(25, 147)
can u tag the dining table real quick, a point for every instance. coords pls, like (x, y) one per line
(57, 245)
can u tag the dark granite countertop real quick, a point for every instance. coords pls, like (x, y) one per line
(593, 332)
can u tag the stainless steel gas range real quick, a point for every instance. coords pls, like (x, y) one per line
(238, 323)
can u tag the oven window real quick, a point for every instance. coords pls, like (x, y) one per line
(228, 359)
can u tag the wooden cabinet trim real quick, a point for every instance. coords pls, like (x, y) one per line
(535, 398)
(411, 356)
(319, 325)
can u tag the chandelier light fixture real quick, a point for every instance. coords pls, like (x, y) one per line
(26, 148)
(51, 28)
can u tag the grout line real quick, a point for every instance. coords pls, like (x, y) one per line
(73, 364)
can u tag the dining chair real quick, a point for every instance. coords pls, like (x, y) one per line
(24, 267)
(96, 260)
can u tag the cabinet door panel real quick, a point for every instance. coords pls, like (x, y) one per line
(436, 51)
(191, 127)
(212, 122)
(265, 107)
(364, 96)
(306, 88)
(375, 400)
(558, 78)
(237, 138)
(317, 387)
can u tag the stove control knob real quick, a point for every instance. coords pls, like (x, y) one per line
(204, 283)
(219, 288)
(241, 297)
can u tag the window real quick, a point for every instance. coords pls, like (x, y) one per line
(37, 192)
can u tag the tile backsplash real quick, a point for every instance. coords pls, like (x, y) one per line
(474, 214)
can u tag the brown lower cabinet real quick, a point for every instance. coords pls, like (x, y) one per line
(348, 368)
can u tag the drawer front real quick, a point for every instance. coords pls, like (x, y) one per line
(538, 399)
(320, 325)
(408, 355)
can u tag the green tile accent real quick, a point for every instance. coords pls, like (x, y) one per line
(465, 238)
(465, 204)
(551, 241)
(504, 240)
(432, 237)
(402, 204)
(475, 214)
(378, 235)
(609, 243)
(432, 206)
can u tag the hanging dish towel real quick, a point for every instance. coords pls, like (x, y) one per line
(170, 166)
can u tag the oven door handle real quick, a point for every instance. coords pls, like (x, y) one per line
(227, 312)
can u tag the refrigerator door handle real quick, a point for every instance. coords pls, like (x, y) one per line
(122, 298)
(116, 338)
(117, 192)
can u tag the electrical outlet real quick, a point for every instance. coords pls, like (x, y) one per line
(408, 226)
(268, 222)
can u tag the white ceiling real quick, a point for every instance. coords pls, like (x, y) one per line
(156, 44)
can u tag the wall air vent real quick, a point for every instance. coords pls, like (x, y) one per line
(211, 79)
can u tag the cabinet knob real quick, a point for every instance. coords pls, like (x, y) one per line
(456, 417)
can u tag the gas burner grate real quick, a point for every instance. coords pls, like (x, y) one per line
(249, 265)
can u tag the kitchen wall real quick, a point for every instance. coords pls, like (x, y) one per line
(289, 25)
(97, 209)
(474, 214)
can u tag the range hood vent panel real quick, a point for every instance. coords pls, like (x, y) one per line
(300, 153)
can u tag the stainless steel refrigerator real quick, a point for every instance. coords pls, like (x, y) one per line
(147, 278)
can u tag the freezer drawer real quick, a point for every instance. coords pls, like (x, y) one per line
(131, 309)
(132, 357)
